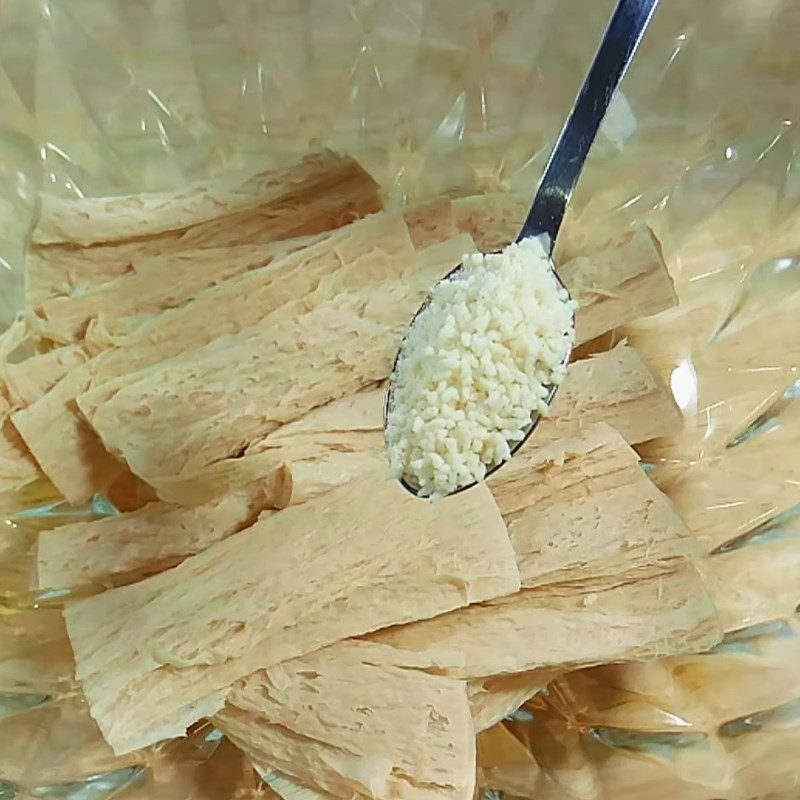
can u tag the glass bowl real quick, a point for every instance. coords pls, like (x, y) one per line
(460, 97)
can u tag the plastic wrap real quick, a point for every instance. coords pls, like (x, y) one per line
(462, 97)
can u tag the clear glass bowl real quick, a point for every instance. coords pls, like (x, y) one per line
(436, 96)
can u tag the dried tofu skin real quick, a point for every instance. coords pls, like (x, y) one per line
(160, 282)
(557, 542)
(321, 193)
(493, 220)
(358, 718)
(596, 458)
(324, 446)
(22, 383)
(188, 220)
(94, 220)
(187, 413)
(247, 385)
(377, 246)
(76, 462)
(219, 310)
(126, 547)
(68, 451)
(568, 628)
(597, 461)
(154, 284)
(156, 656)
(616, 387)
(431, 222)
(582, 512)
(342, 440)
(591, 534)
(638, 617)
(26, 381)
(618, 284)
(327, 447)
(17, 467)
(353, 720)
(673, 613)
(251, 383)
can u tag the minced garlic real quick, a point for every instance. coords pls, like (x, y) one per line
(478, 362)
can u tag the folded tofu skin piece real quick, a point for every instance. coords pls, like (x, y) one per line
(84, 243)
(156, 656)
(123, 547)
(324, 284)
(354, 719)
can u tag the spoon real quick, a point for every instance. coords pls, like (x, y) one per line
(619, 43)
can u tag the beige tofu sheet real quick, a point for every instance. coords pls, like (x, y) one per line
(331, 446)
(69, 253)
(127, 547)
(68, 460)
(156, 656)
(371, 726)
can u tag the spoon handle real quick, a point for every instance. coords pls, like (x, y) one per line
(566, 161)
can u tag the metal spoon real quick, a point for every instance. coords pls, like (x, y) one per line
(616, 51)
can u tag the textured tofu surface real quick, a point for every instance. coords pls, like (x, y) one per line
(157, 655)
(353, 719)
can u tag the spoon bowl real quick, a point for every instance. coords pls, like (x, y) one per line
(535, 418)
